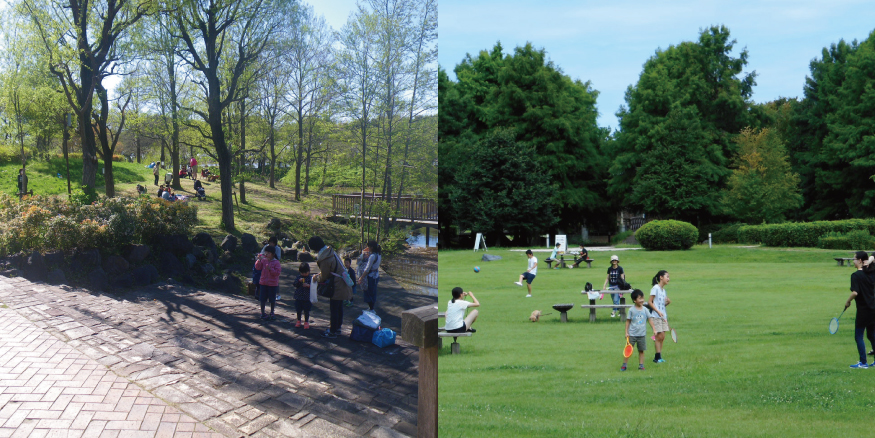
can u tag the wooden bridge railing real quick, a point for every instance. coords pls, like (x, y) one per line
(411, 208)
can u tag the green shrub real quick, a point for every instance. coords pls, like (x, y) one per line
(667, 235)
(854, 240)
(620, 237)
(726, 234)
(805, 234)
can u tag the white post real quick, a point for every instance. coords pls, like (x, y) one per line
(709, 240)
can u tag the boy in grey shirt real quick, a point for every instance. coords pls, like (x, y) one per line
(636, 327)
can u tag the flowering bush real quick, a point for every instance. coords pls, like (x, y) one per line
(43, 223)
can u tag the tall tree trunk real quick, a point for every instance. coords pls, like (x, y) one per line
(242, 148)
(299, 159)
(103, 137)
(174, 121)
(272, 149)
(65, 139)
(137, 140)
(86, 133)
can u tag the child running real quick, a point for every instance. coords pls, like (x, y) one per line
(658, 301)
(302, 295)
(530, 273)
(270, 273)
(636, 328)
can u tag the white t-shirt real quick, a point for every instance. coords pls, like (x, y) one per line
(532, 262)
(456, 314)
(659, 301)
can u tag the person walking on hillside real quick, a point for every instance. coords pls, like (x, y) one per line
(156, 170)
(331, 281)
(193, 164)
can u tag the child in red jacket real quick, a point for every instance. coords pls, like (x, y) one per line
(270, 273)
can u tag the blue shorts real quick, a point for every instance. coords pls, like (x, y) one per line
(528, 276)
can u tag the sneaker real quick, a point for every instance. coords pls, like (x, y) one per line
(613, 314)
(329, 334)
(601, 296)
(871, 352)
(623, 368)
(306, 325)
(529, 296)
(518, 283)
(279, 297)
(298, 324)
(348, 304)
(271, 317)
(860, 365)
(660, 360)
(572, 267)
(264, 316)
(640, 367)
(472, 330)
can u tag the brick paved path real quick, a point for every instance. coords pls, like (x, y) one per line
(49, 389)
(209, 356)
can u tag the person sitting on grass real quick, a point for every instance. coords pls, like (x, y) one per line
(270, 273)
(582, 257)
(161, 191)
(199, 190)
(552, 257)
(636, 327)
(141, 190)
(658, 301)
(302, 295)
(863, 292)
(456, 322)
(168, 195)
(530, 273)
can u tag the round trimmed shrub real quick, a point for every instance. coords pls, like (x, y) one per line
(667, 235)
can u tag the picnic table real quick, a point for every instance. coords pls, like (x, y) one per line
(622, 306)
(841, 261)
(561, 262)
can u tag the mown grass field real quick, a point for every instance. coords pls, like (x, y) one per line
(754, 356)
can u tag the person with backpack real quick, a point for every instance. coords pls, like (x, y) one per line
(615, 273)
(372, 273)
(334, 282)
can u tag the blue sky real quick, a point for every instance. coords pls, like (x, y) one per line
(607, 43)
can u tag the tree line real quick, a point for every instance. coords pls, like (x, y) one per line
(230, 82)
(522, 153)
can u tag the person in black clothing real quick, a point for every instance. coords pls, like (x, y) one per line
(863, 293)
(582, 257)
(22, 181)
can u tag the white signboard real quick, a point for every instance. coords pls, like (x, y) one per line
(477, 241)
(562, 241)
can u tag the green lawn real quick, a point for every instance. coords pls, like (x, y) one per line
(754, 356)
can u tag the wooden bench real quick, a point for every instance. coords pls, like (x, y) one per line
(592, 305)
(841, 261)
(442, 333)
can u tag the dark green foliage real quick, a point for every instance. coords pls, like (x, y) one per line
(499, 187)
(545, 110)
(677, 128)
(667, 235)
(804, 234)
(855, 240)
(726, 234)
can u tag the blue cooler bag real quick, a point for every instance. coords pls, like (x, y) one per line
(361, 333)
(384, 338)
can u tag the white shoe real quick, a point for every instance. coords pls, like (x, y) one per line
(613, 314)
(529, 296)
(517, 283)
(571, 267)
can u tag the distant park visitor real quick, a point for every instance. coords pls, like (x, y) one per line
(612, 281)
(22, 181)
(582, 257)
(530, 273)
(553, 255)
(193, 165)
(156, 170)
(372, 273)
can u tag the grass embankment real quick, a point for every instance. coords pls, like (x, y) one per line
(302, 218)
(754, 356)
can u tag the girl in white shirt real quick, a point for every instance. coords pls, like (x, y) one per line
(658, 301)
(456, 322)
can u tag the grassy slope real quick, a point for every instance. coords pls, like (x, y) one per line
(754, 356)
(263, 203)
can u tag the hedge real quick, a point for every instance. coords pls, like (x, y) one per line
(667, 235)
(855, 240)
(804, 234)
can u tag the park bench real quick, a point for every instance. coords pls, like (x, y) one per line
(442, 333)
(622, 306)
(840, 261)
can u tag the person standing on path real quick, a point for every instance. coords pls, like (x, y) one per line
(361, 279)
(270, 273)
(530, 273)
(863, 292)
(331, 274)
(156, 170)
(612, 281)
(372, 273)
(658, 301)
(302, 295)
(193, 164)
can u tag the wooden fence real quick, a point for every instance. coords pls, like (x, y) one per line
(412, 208)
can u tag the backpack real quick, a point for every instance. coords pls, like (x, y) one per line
(345, 274)
(623, 284)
